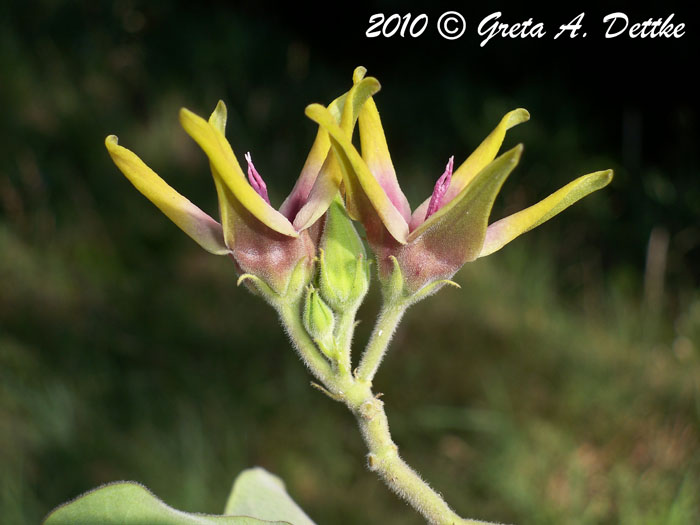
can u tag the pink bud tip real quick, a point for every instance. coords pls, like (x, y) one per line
(256, 181)
(441, 186)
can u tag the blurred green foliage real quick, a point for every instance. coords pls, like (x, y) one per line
(567, 390)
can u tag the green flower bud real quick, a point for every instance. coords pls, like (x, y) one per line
(344, 270)
(319, 321)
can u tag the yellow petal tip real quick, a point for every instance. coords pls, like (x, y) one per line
(186, 114)
(314, 109)
(517, 116)
(111, 140)
(358, 74)
(516, 153)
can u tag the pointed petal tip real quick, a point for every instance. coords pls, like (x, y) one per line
(513, 155)
(219, 116)
(111, 141)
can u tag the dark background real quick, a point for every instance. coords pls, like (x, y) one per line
(559, 385)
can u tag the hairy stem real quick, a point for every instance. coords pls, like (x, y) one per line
(389, 319)
(344, 332)
(356, 392)
(384, 459)
(290, 315)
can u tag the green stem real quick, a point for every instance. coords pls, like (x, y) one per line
(384, 459)
(389, 318)
(290, 315)
(356, 393)
(344, 332)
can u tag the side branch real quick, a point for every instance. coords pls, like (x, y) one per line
(318, 365)
(389, 319)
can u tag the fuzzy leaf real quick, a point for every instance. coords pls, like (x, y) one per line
(258, 493)
(128, 503)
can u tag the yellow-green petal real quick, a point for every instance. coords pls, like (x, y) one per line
(456, 231)
(312, 167)
(227, 209)
(330, 176)
(375, 152)
(479, 158)
(505, 230)
(360, 184)
(221, 156)
(188, 217)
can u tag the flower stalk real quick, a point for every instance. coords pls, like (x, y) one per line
(355, 391)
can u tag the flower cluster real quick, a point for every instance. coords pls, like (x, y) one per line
(416, 251)
(309, 262)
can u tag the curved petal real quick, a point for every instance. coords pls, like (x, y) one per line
(375, 152)
(330, 176)
(188, 217)
(505, 230)
(227, 208)
(457, 230)
(366, 200)
(481, 156)
(314, 162)
(221, 156)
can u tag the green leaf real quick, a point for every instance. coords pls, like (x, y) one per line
(258, 493)
(128, 503)
(258, 498)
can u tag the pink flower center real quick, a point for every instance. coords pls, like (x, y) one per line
(441, 186)
(256, 181)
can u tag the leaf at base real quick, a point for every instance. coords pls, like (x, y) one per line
(258, 493)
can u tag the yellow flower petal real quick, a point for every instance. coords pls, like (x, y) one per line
(456, 231)
(309, 174)
(221, 156)
(481, 157)
(361, 188)
(227, 209)
(330, 176)
(375, 152)
(188, 217)
(505, 230)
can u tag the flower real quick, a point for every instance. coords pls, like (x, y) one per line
(266, 243)
(450, 227)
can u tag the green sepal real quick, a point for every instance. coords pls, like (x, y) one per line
(393, 287)
(319, 322)
(430, 288)
(299, 279)
(396, 292)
